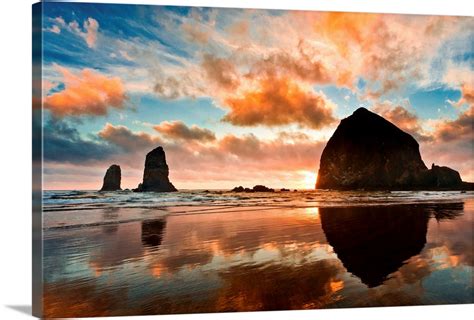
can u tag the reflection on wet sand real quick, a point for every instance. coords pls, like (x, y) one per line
(374, 242)
(273, 259)
(152, 232)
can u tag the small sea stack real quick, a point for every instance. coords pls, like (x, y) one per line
(155, 176)
(112, 179)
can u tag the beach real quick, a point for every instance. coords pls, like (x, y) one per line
(123, 253)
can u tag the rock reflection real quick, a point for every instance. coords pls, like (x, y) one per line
(374, 242)
(152, 233)
(446, 211)
(277, 259)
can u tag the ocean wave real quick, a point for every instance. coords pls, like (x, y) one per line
(86, 200)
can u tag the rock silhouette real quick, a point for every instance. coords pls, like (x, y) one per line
(112, 179)
(368, 152)
(155, 176)
(443, 177)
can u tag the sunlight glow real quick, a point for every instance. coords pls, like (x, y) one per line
(309, 179)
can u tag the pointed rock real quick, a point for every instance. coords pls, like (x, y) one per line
(112, 179)
(155, 176)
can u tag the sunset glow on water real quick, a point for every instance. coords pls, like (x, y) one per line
(205, 255)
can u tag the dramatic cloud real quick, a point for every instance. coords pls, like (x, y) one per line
(280, 101)
(86, 93)
(179, 131)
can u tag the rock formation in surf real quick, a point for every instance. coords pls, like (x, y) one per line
(112, 179)
(368, 152)
(257, 188)
(155, 176)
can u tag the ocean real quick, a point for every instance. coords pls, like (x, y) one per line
(125, 253)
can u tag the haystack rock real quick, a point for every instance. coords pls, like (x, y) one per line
(368, 152)
(155, 176)
(112, 179)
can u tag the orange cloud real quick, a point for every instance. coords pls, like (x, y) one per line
(382, 48)
(86, 93)
(345, 28)
(178, 130)
(280, 101)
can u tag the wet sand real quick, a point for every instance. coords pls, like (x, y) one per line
(224, 258)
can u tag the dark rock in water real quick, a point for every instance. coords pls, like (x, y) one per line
(112, 179)
(155, 176)
(443, 177)
(284, 190)
(260, 188)
(257, 188)
(368, 152)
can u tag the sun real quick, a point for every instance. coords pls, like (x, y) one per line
(309, 179)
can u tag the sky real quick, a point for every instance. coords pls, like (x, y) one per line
(242, 96)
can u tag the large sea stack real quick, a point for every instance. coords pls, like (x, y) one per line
(368, 152)
(155, 176)
(112, 179)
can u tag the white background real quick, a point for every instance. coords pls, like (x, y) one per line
(15, 155)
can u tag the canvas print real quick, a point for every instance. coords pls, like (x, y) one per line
(192, 160)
